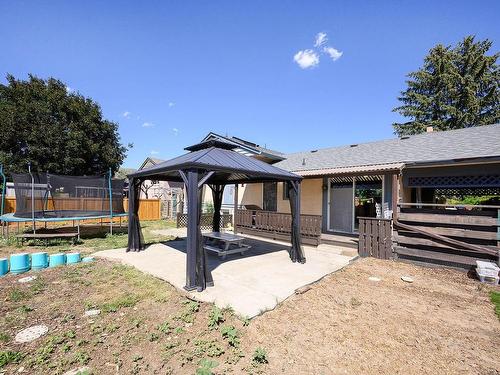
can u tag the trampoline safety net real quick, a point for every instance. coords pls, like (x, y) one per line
(55, 196)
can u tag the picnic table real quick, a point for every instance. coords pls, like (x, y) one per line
(224, 243)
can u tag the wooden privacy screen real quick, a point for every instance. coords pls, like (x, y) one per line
(278, 225)
(375, 237)
(149, 209)
(456, 237)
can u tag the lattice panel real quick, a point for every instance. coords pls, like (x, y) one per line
(484, 181)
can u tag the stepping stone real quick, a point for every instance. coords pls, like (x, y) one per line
(26, 279)
(407, 279)
(77, 371)
(93, 312)
(31, 333)
(374, 278)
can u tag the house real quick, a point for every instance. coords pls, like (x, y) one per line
(344, 183)
(170, 193)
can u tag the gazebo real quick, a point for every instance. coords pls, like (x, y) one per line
(216, 164)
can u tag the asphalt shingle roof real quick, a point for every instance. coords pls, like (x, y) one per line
(476, 142)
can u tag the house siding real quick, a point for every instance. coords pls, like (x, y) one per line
(310, 199)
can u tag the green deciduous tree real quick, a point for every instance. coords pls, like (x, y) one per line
(55, 130)
(457, 87)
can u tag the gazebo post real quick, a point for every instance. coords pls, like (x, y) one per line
(192, 228)
(296, 251)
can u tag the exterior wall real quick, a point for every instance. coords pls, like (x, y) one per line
(251, 194)
(310, 198)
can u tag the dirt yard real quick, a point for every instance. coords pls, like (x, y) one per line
(442, 323)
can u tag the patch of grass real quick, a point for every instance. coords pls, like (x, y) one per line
(25, 309)
(495, 298)
(259, 356)
(18, 295)
(4, 337)
(9, 356)
(187, 313)
(127, 300)
(215, 317)
(231, 334)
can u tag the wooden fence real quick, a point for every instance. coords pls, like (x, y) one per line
(456, 236)
(375, 238)
(205, 220)
(277, 225)
(149, 209)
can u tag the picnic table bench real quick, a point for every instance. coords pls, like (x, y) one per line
(224, 243)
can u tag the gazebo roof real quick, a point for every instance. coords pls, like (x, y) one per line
(229, 167)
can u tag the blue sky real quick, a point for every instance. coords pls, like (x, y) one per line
(170, 72)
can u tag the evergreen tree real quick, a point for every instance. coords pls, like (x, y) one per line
(56, 131)
(456, 88)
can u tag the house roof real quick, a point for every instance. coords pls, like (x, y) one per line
(452, 145)
(229, 167)
(246, 147)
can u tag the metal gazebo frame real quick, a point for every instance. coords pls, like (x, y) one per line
(212, 163)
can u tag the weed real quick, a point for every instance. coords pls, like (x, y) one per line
(127, 300)
(215, 317)
(66, 347)
(178, 330)
(153, 337)
(171, 345)
(68, 317)
(495, 299)
(245, 321)
(8, 356)
(235, 356)
(164, 327)
(206, 366)
(209, 348)
(4, 337)
(81, 357)
(355, 302)
(17, 295)
(137, 358)
(259, 356)
(25, 309)
(232, 335)
(192, 306)
(81, 342)
(38, 286)
(112, 328)
(70, 334)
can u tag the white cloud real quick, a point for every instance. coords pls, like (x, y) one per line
(171, 104)
(126, 114)
(154, 152)
(321, 39)
(306, 58)
(176, 131)
(148, 125)
(334, 53)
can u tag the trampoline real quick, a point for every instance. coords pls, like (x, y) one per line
(48, 198)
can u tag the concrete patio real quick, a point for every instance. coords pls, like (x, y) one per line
(251, 283)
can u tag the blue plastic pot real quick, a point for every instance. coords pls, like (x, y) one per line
(72, 258)
(57, 260)
(88, 259)
(4, 266)
(39, 261)
(19, 263)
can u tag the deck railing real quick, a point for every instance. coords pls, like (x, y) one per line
(277, 225)
(375, 237)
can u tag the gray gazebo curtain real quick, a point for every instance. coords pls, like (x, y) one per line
(217, 193)
(135, 238)
(296, 251)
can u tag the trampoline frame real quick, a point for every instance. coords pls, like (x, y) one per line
(5, 219)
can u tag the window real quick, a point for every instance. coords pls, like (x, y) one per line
(286, 192)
